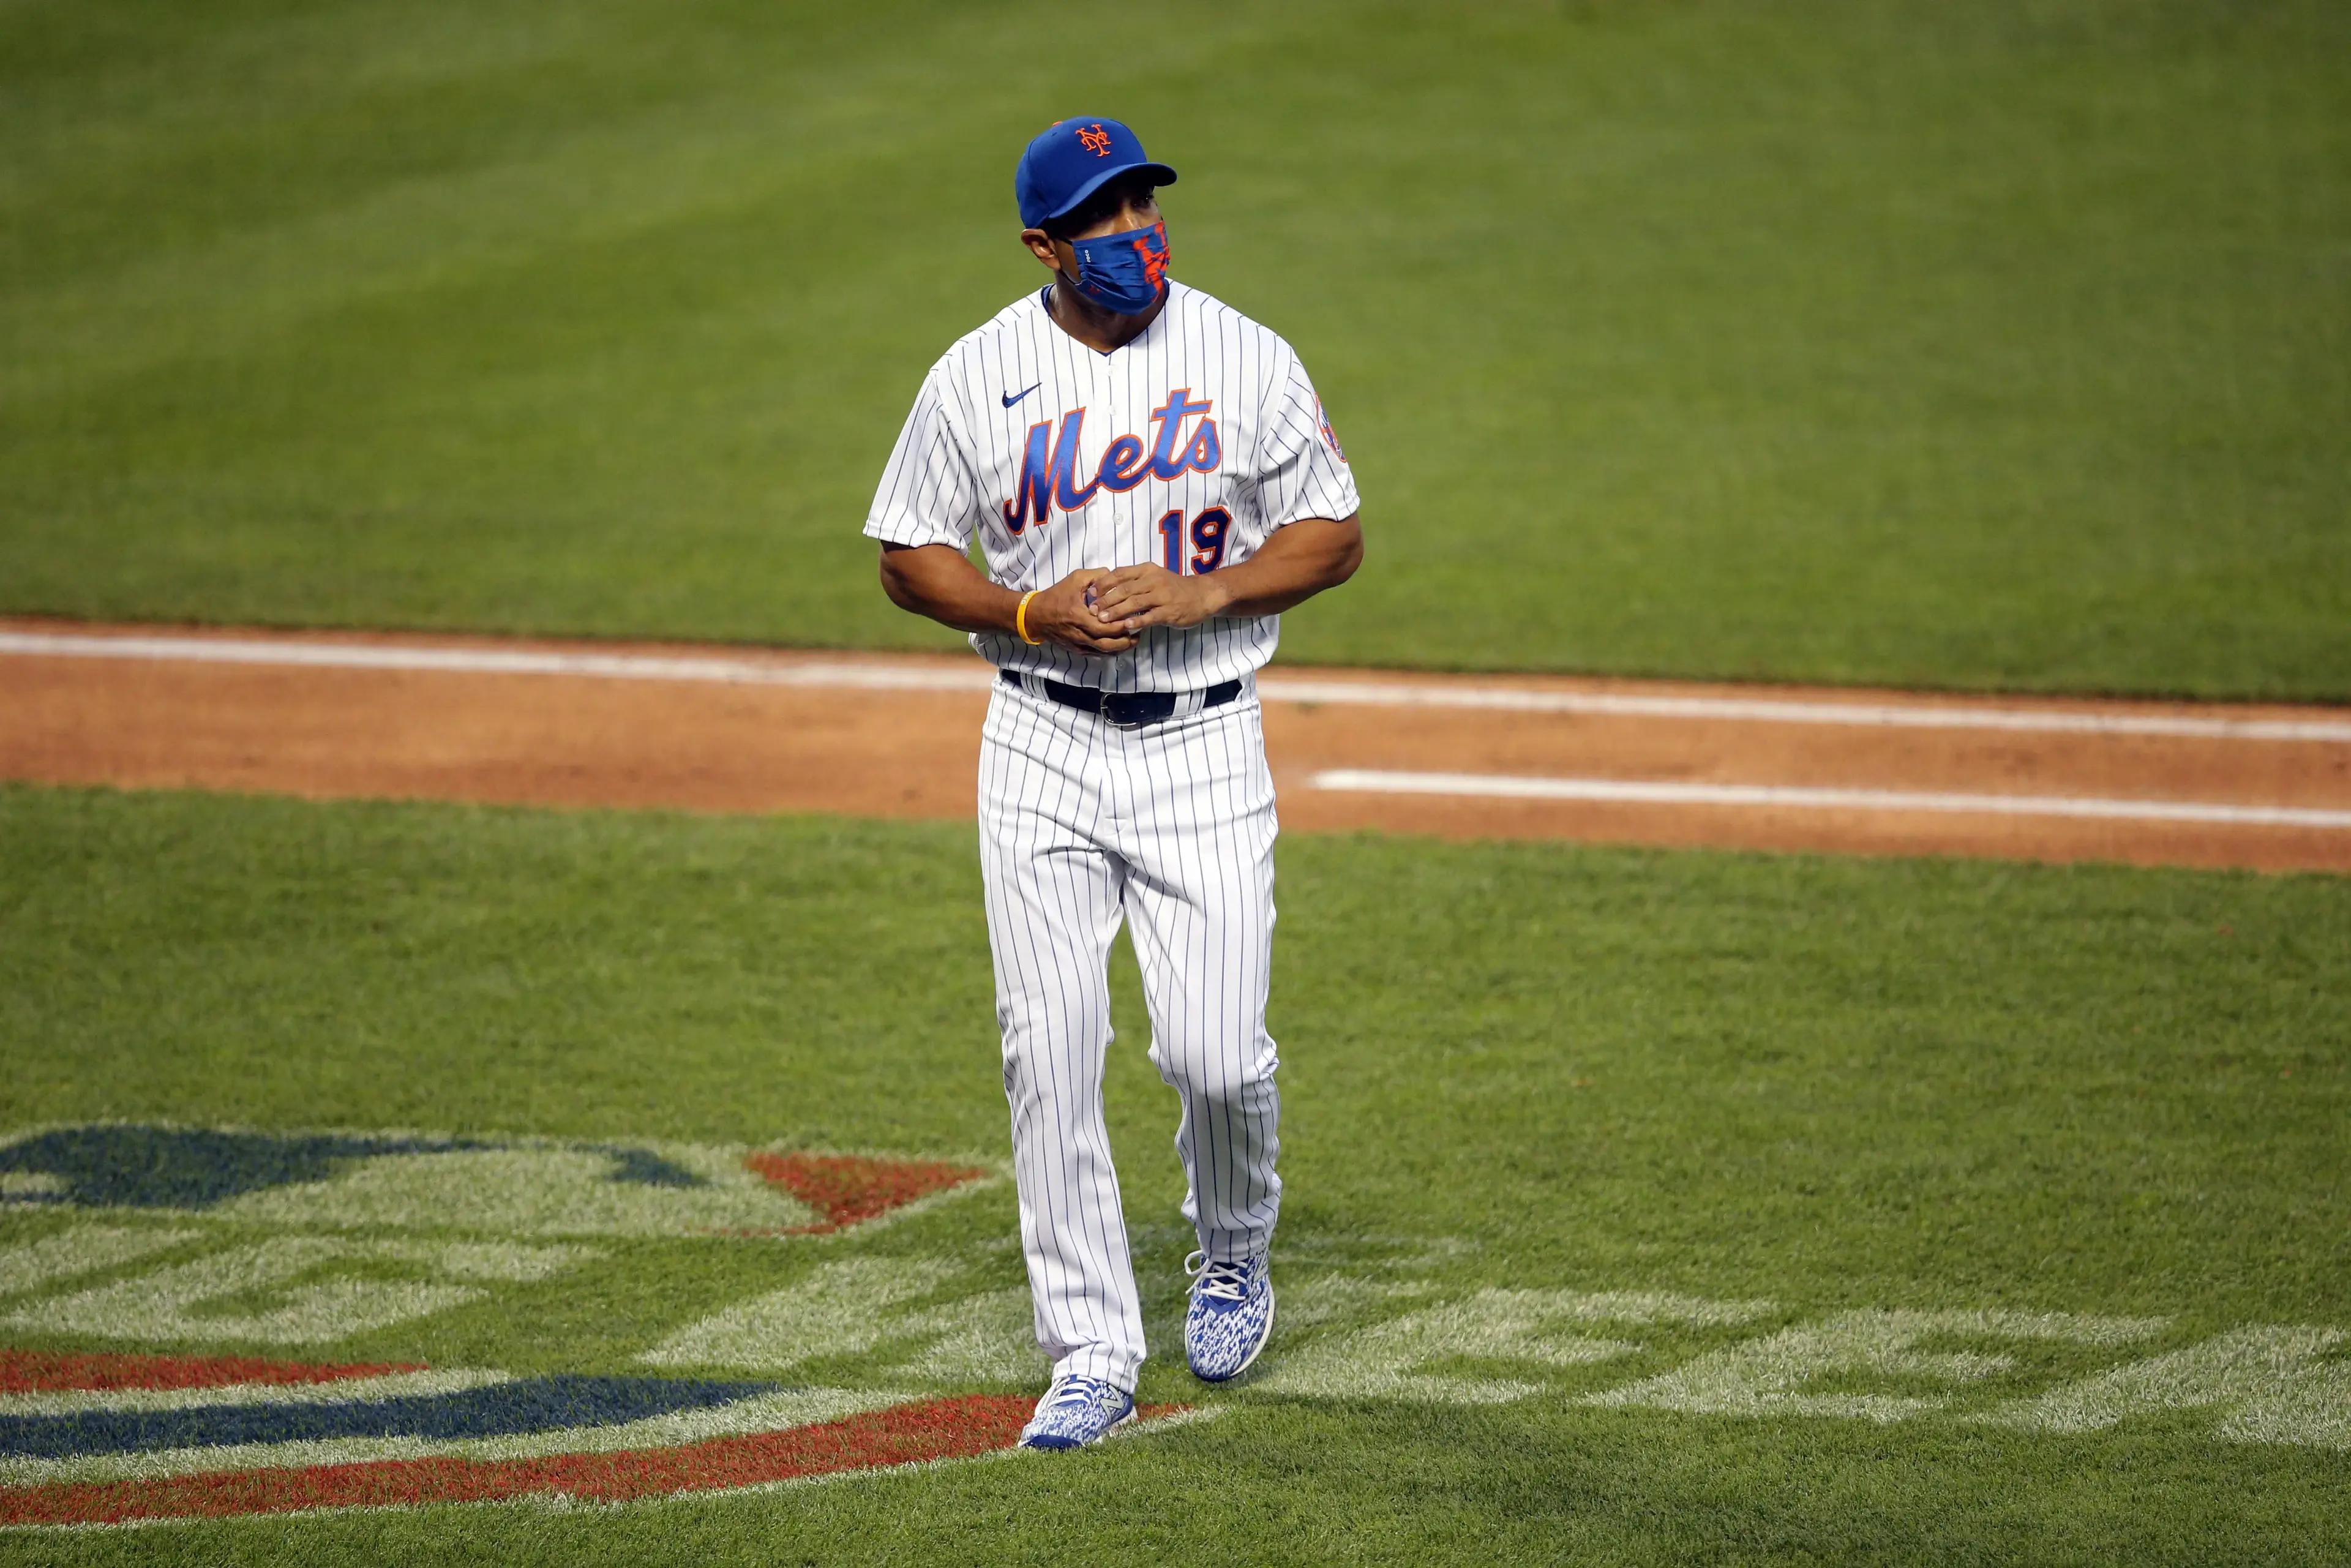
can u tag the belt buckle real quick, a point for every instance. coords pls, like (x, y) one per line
(1127, 724)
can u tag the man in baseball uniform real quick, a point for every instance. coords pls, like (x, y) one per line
(1152, 482)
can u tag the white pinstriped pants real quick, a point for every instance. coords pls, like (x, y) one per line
(1170, 828)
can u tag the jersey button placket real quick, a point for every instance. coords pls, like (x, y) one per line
(1101, 549)
(1100, 537)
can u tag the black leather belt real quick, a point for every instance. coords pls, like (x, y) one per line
(1127, 710)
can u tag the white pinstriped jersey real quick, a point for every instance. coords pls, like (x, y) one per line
(1188, 446)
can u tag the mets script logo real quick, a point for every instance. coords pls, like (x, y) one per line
(1096, 139)
(1049, 464)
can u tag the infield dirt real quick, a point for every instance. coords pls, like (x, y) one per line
(905, 742)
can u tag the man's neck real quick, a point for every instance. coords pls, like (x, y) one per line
(1099, 330)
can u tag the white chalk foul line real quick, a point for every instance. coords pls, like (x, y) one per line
(1773, 710)
(495, 661)
(848, 675)
(1642, 792)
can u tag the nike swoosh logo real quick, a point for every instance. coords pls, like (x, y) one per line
(1011, 398)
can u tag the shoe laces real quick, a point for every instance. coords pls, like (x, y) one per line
(1073, 1391)
(1218, 1282)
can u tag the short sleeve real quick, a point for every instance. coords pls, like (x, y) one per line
(927, 495)
(1303, 472)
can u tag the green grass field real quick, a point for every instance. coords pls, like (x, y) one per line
(1837, 1085)
(1642, 1207)
(1996, 345)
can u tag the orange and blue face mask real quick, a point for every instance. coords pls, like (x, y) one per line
(1123, 272)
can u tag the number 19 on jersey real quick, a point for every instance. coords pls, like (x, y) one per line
(1205, 538)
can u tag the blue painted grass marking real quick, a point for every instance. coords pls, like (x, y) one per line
(108, 1166)
(506, 1409)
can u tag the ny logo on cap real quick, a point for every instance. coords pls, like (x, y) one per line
(1097, 141)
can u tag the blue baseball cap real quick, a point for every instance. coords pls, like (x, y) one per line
(1072, 161)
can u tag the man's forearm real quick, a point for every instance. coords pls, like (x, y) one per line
(941, 583)
(1298, 562)
(1293, 565)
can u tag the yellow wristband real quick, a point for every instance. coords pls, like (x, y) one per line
(1020, 619)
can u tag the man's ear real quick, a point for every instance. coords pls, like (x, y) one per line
(1040, 246)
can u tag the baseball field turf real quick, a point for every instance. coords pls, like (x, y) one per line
(2003, 344)
(1643, 1207)
(1798, 1089)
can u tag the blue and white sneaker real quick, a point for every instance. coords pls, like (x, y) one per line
(1231, 1318)
(1077, 1411)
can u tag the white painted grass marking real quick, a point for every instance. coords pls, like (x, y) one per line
(871, 676)
(1384, 1362)
(836, 1311)
(342, 1391)
(988, 1338)
(519, 1187)
(1322, 1298)
(2264, 1382)
(169, 1303)
(1645, 792)
(744, 1417)
(32, 1183)
(1766, 1376)
(850, 1306)
(529, 1189)
(83, 1250)
(1657, 1307)
(2273, 1380)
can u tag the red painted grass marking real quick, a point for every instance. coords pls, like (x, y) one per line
(41, 1372)
(848, 1189)
(939, 1430)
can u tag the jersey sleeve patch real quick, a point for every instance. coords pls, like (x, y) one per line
(1302, 473)
(1330, 436)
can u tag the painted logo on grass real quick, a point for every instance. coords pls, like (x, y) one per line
(236, 1250)
(96, 1441)
(359, 1232)
(505, 1186)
